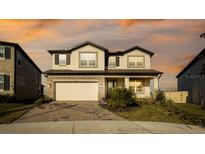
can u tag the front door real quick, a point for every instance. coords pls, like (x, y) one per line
(111, 84)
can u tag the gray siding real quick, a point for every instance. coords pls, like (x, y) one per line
(192, 82)
(28, 78)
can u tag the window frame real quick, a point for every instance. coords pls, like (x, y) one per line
(114, 60)
(3, 81)
(129, 66)
(3, 52)
(135, 87)
(64, 64)
(88, 66)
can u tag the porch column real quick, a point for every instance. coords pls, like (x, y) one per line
(156, 86)
(127, 80)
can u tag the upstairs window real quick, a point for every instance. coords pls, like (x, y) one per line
(135, 61)
(5, 52)
(114, 62)
(2, 51)
(88, 59)
(62, 59)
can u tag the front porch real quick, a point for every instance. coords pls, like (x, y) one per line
(141, 86)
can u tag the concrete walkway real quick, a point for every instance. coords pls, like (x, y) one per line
(99, 127)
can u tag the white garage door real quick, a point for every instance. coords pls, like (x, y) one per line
(77, 91)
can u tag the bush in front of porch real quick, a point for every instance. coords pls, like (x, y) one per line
(121, 98)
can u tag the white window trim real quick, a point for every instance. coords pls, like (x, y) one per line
(88, 66)
(135, 87)
(112, 66)
(129, 66)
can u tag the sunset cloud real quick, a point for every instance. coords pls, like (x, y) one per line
(132, 22)
(175, 42)
(27, 30)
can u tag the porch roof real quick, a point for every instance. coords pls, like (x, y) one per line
(131, 72)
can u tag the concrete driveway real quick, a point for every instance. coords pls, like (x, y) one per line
(68, 111)
(99, 127)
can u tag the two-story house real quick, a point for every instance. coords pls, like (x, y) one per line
(19, 75)
(192, 79)
(89, 71)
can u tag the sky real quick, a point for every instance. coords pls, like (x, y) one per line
(174, 42)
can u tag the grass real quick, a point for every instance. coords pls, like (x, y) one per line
(10, 112)
(176, 113)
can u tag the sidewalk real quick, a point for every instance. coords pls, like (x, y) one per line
(99, 127)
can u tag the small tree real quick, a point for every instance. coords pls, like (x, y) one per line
(160, 98)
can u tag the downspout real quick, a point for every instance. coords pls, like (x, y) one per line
(158, 80)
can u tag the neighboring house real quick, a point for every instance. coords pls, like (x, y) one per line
(89, 72)
(19, 75)
(192, 79)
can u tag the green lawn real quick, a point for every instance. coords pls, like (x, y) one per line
(176, 113)
(9, 112)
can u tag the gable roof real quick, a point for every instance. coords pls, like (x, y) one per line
(100, 47)
(78, 46)
(192, 62)
(17, 46)
(131, 49)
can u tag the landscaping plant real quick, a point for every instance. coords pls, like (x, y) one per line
(121, 98)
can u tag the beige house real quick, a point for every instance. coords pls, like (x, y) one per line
(89, 71)
(19, 75)
(192, 79)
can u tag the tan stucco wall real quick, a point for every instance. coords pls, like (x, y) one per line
(7, 68)
(52, 79)
(177, 96)
(123, 60)
(74, 57)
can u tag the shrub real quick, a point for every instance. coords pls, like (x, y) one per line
(160, 98)
(6, 98)
(121, 98)
(145, 100)
(203, 107)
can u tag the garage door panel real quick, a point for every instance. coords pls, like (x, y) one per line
(77, 91)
